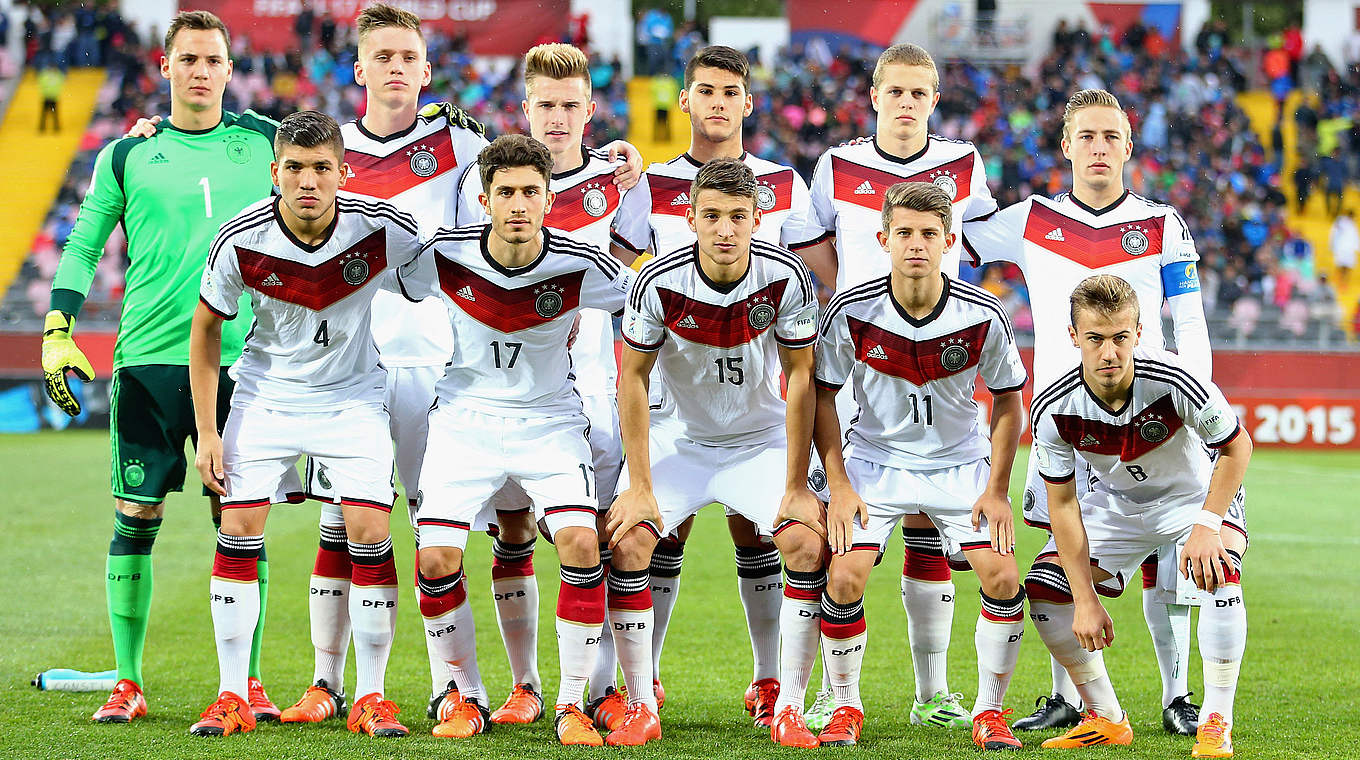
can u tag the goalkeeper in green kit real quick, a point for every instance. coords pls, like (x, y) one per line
(171, 192)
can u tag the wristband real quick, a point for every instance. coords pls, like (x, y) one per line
(1211, 520)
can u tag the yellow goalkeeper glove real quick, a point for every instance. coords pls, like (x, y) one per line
(641, 259)
(59, 354)
(455, 115)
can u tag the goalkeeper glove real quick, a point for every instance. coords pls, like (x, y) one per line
(641, 259)
(59, 354)
(455, 115)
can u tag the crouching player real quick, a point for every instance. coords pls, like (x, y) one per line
(507, 411)
(311, 263)
(1141, 421)
(912, 344)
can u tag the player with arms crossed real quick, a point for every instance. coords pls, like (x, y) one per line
(171, 190)
(848, 188)
(311, 263)
(720, 318)
(1141, 422)
(717, 97)
(507, 411)
(1101, 227)
(558, 105)
(911, 344)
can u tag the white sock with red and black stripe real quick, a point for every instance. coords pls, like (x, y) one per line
(580, 616)
(372, 613)
(762, 598)
(630, 617)
(844, 637)
(450, 629)
(328, 603)
(235, 602)
(667, 559)
(602, 678)
(1000, 625)
(516, 591)
(799, 634)
(1222, 642)
(928, 598)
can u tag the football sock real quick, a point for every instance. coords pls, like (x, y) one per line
(762, 597)
(997, 638)
(606, 663)
(844, 637)
(516, 592)
(667, 559)
(372, 613)
(235, 601)
(1087, 669)
(799, 634)
(257, 642)
(928, 598)
(450, 629)
(328, 606)
(1169, 625)
(127, 585)
(1062, 684)
(630, 616)
(580, 615)
(1222, 641)
(440, 671)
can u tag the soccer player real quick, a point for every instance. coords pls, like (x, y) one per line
(848, 186)
(720, 318)
(911, 344)
(1101, 227)
(508, 412)
(1141, 421)
(311, 263)
(171, 191)
(717, 96)
(558, 105)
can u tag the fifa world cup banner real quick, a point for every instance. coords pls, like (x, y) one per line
(492, 27)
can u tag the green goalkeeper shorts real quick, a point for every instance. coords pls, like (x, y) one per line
(151, 413)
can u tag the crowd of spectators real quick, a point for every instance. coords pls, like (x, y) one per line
(1194, 147)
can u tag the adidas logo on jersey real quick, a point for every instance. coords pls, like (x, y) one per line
(272, 281)
(1056, 234)
(877, 352)
(864, 188)
(688, 322)
(466, 292)
(159, 158)
(681, 200)
(1089, 440)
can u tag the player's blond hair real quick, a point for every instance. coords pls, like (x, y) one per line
(926, 197)
(381, 15)
(555, 60)
(197, 20)
(1088, 99)
(1105, 294)
(906, 54)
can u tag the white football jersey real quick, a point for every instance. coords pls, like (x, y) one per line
(718, 344)
(311, 348)
(1060, 242)
(851, 179)
(1149, 453)
(417, 170)
(584, 208)
(913, 378)
(654, 210)
(512, 325)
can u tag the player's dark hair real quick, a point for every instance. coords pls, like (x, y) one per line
(1106, 294)
(513, 151)
(198, 20)
(720, 57)
(309, 129)
(729, 176)
(926, 197)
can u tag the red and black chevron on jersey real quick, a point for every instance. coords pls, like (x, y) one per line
(1094, 247)
(319, 285)
(721, 326)
(918, 361)
(416, 161)
(1150, 428)
(509, 310)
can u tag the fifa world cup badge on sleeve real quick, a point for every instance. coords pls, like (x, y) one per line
(1216, 421)
(806, 324)
(632, 327)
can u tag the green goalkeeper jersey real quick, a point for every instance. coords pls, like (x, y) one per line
(171, 192)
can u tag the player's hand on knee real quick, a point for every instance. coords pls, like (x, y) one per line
(1204, 559)
(633, 507)
(1092, 625)
(629, 173)
(801, 505)
(846, 505)
(1000, 520)
(145, 127)
(208, 460)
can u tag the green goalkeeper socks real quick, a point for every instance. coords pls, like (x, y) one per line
(258, 641)
(128, 586)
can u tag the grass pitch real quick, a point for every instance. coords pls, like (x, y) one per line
(1299, 679)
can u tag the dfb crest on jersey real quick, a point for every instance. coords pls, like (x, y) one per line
(423, 162)
(760, 316)
(764, 197)
(355, 271)
(549, 302)
(1153, 431)
(816, 480)
(238, 150)
(945, 182)
(1134, 241)
(594, 201)
(954, 357)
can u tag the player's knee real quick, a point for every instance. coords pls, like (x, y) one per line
(844, 583)
(140, 511)
(371, 529)
(743, 532)
(634, 550)
(1046, 581)
(577, 546)
(516, 527)
(440, 561)
(801, 548)
(1000, 579)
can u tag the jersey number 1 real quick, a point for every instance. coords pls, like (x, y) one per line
(207, 198)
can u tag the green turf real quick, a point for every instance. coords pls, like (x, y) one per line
(1298, 682)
